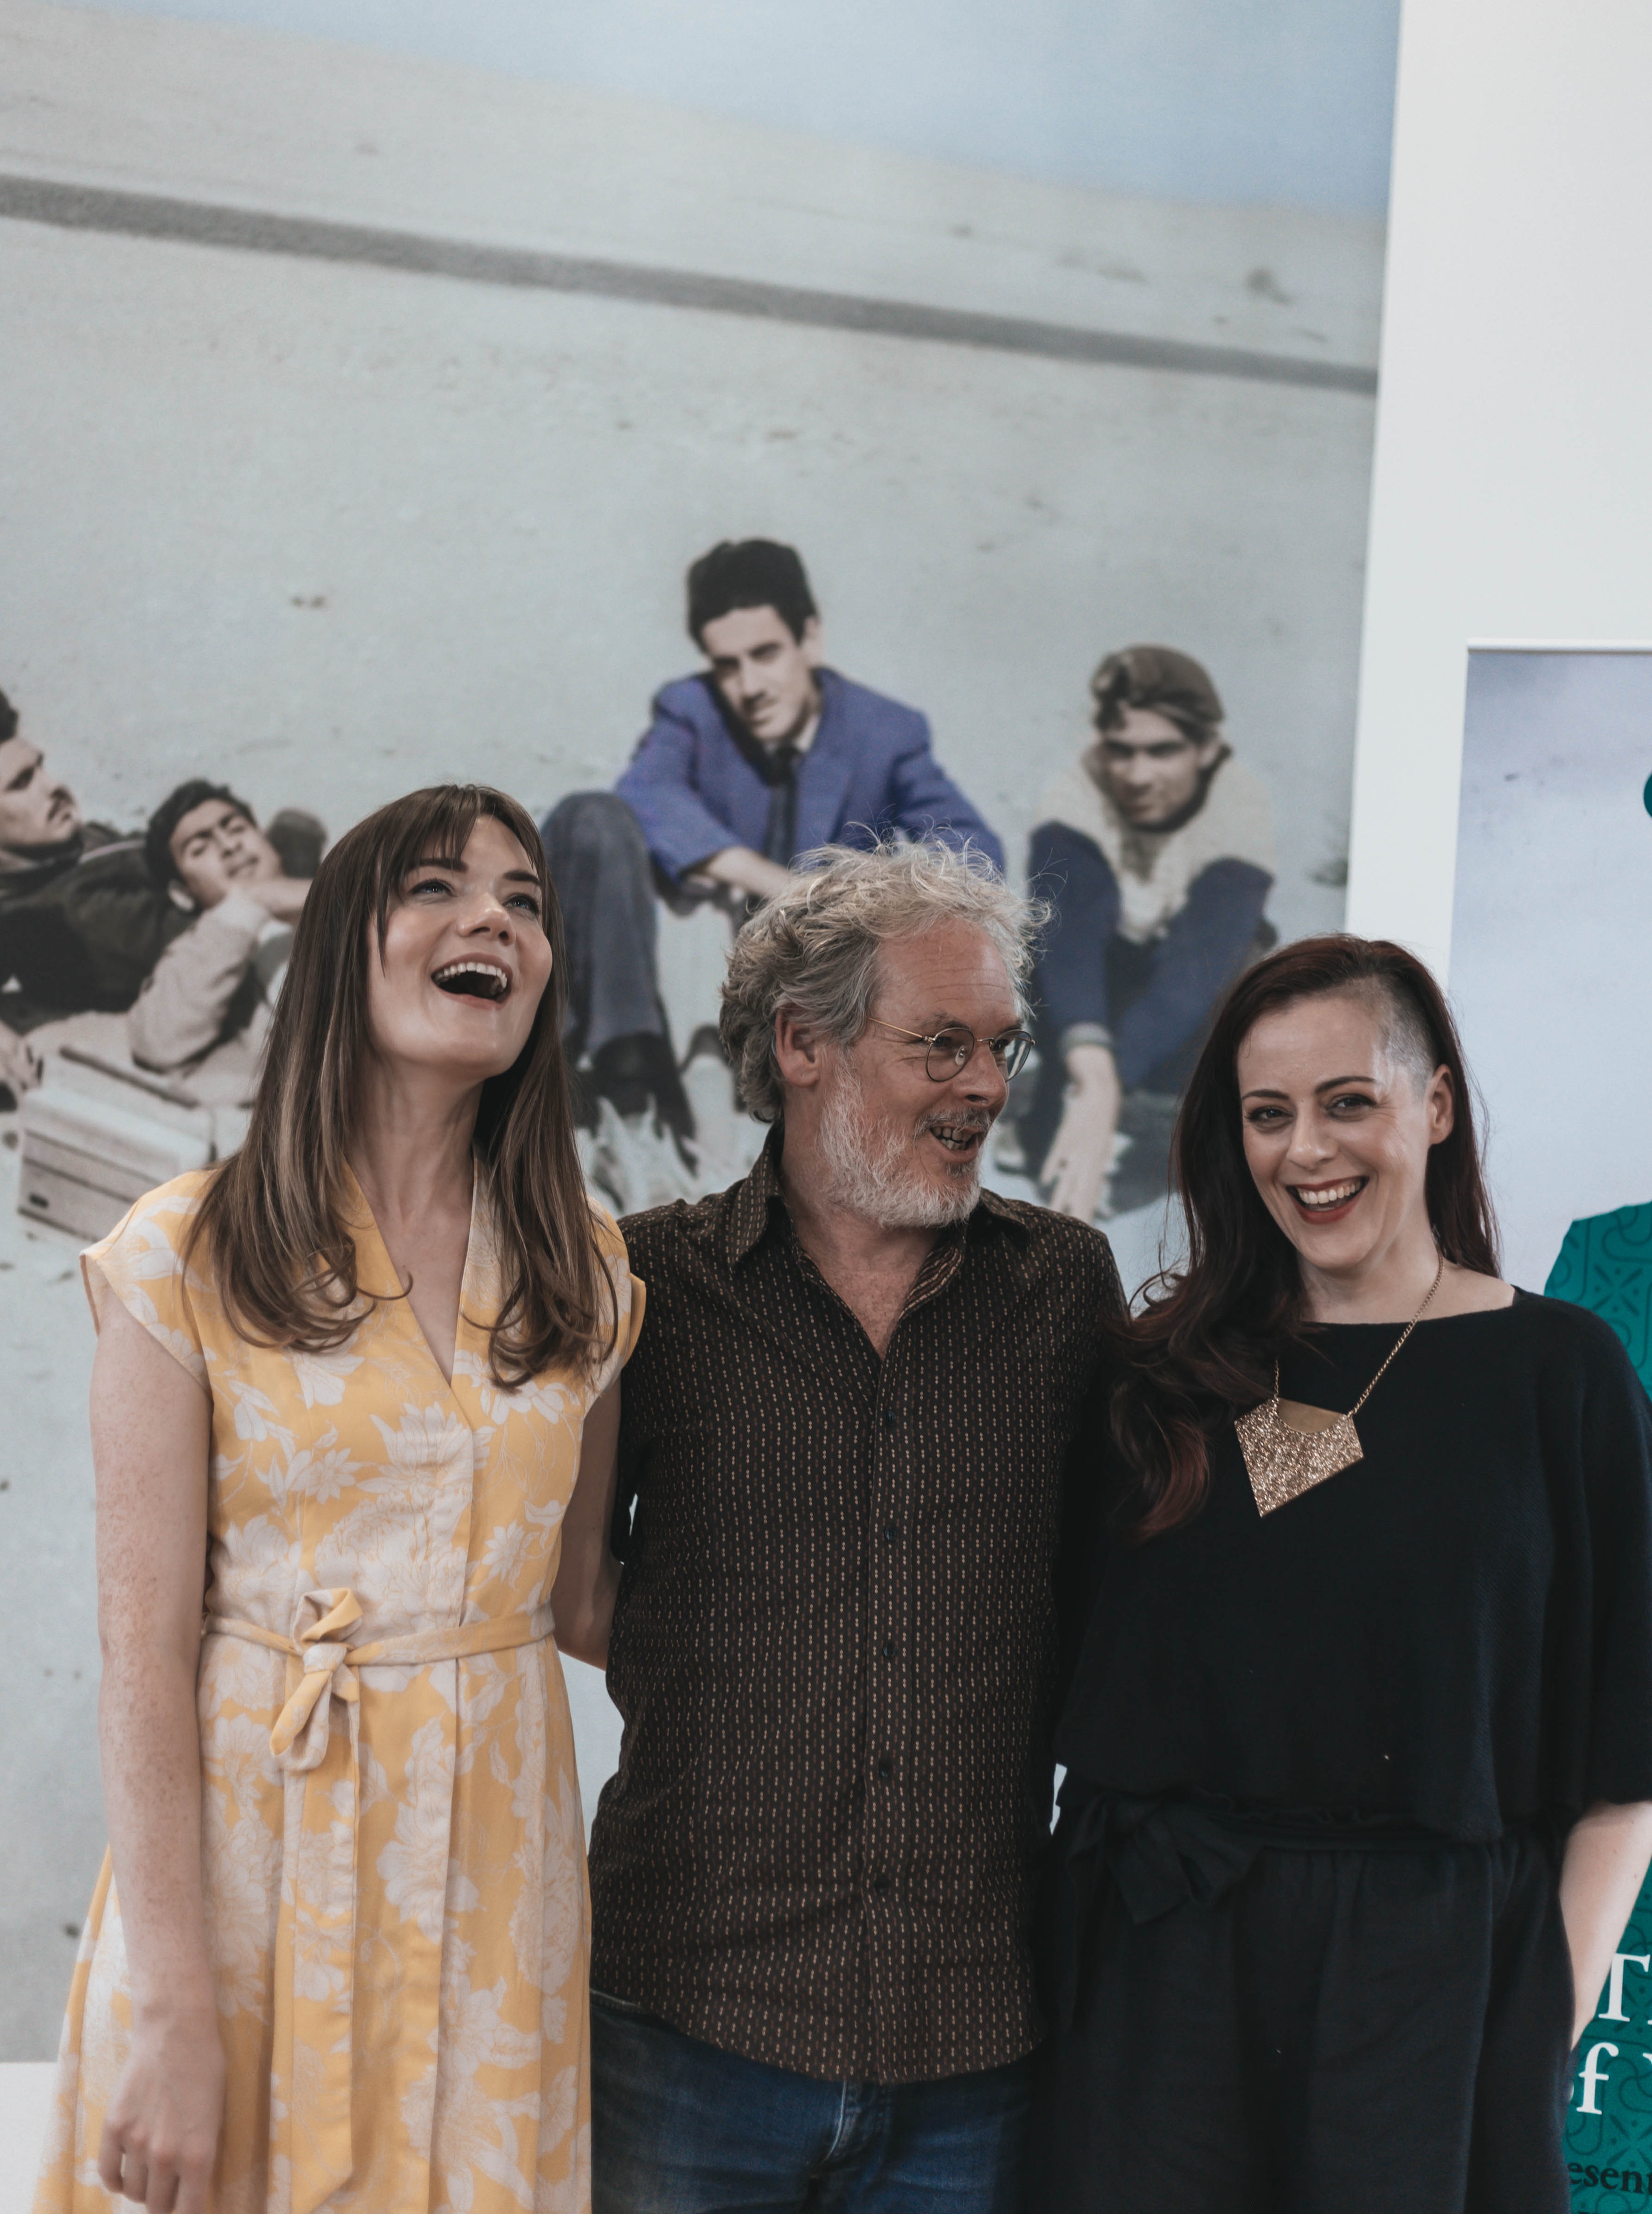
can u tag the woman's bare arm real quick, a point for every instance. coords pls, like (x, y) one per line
(1600, 1878)
(588, 1576)
(151, 1440)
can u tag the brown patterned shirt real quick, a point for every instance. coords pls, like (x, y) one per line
(834, 1645)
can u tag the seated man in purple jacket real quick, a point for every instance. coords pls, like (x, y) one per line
(763, 756)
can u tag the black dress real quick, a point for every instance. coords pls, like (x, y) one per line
(1303, 1950)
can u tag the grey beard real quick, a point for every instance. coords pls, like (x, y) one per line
(877, 1179)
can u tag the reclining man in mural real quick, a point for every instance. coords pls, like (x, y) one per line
(82, 921)
(205, 1013)
(763, 756)
(1155, 853)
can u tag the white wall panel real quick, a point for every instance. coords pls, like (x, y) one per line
(1512, 495)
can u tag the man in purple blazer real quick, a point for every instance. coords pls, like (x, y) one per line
(763, 756)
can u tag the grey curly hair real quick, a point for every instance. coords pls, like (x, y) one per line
(815, 947)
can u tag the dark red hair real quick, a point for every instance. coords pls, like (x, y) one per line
(1204, 1347)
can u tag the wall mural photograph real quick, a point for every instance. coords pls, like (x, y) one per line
(927, 424)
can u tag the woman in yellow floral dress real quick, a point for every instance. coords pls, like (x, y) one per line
(336, 1958)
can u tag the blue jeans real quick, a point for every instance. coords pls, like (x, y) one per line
(679, 2127)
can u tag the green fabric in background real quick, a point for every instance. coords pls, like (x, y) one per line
(1606, 1265)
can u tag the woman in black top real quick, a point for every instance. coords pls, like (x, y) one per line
(1358, 1744)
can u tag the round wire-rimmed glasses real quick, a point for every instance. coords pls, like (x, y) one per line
(952, 1051)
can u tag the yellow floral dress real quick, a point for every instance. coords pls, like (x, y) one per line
(392, 1840)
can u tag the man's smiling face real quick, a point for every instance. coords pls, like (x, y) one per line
(1149, 768)
(766, 675)
(900, 1148)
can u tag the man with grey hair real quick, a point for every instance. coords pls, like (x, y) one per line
(842, 1482)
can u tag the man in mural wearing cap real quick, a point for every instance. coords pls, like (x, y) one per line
(82, 921)
(762, 756)
(1155, 851)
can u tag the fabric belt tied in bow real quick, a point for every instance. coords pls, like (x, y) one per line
(316, 1936)
(1162, 1854)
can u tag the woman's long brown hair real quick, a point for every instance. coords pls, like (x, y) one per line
(1202, 1349)
(273, 1218)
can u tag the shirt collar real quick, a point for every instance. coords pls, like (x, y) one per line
(755, 1202)
(997, 1209)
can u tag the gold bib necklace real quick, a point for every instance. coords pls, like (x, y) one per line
(1283, 1463)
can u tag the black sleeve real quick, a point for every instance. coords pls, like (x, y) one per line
(86, 942)
(632, 1452)
(121, 923)
(1617, 1446)
(1090, 1479)
(1085, 1481)
(44, 969)
(628, 1484)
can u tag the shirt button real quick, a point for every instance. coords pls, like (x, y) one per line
(885, 1769)
(880, 1884)
(891, 1531)
(888, 1649)
(890, 1418)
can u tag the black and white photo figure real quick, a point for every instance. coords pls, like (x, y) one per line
(765, 754)
(204, 1013)
(1154, 853)
(82, 919)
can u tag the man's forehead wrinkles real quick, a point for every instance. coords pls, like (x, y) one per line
(960, 1000)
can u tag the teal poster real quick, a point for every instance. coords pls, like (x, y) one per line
(1606, 1263)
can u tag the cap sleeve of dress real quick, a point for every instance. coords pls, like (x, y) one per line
(630, 1294)
(140, 1264)
(1617, 1444)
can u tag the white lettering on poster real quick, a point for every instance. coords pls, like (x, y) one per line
(1613, 2008)
(1593, 2076)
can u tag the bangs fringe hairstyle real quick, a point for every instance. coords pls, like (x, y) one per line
(1202, 1349)
(274, 1217)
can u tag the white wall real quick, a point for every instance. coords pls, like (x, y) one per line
(1512, 497)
